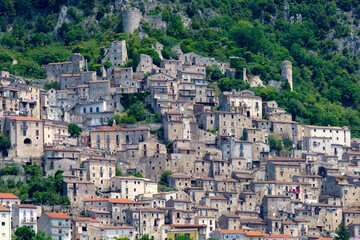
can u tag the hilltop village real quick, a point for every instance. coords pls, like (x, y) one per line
(203, 164)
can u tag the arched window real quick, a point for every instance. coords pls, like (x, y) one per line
(27, 141)
(91, 109)
(97, 109)
(84, 110)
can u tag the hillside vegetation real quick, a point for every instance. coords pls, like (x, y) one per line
(320, 38)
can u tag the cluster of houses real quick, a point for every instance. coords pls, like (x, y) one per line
(224, 180)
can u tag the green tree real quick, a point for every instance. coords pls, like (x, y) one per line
(51, 85)
(4, 143)
(275, 143)
(288, 144)
(137, 111)
(182, 237)
(118, 172)
(176, 28)
(163, 178)
(166, 15)
(74, 130)
(24, 233)
(146, 237)
(342, 232)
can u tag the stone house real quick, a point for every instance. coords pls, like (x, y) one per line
(338, 185)
(81, 227)
(282, 171)
(146, 221)
(229, 221)
(55, 70)
(244, 102)
(146, 64)
(152, 167)
(324, 216)
(55, 133)
(100, 171)
(351, 216)
(179, 181)
(116, 54)
(275, 206)
(181, 217)
(114, 138)
(26, 136)
(130, 187)
(78, 191)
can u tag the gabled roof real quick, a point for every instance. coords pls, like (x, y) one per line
(8, 196)
(57, 215)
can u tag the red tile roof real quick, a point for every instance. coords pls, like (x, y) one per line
(57, 215)
(4, 209)
(24, 118)
(8, 195)
(254, 234)
(125, 201)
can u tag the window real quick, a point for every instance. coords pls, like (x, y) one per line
(91, 109)
(2, 223)
(98, 110)
(84, 110)
(37, 132)
(24, 132)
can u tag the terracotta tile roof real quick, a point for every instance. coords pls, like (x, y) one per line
(57, 215)
(8, 195)
(125, 201)
(17, 118)
(254, 234)
(4, 209)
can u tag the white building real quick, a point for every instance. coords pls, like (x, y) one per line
(56, 225)
(111, 232)
(24, 215)
(8, 199)
(5, 227)
(338, 135)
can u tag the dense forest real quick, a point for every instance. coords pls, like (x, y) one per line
(320, 37)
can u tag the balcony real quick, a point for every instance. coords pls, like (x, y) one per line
(56, 225)
(28, 221)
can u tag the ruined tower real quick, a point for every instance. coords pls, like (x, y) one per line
(286, 73)
(131, 19)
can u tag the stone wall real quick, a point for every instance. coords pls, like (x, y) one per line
(131, 19)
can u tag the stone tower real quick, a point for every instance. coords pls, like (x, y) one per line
(131, 19)
(286, 73)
